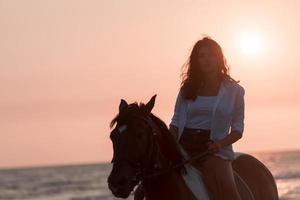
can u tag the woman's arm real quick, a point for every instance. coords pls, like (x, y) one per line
(229, 139)
(237, 125)
(173, 126)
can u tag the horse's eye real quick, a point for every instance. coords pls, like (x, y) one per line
(140, 134)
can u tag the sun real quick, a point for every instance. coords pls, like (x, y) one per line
(251, 44)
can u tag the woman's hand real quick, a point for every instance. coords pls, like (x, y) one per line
(214, 146)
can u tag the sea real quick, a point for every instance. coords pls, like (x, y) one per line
(89, 181)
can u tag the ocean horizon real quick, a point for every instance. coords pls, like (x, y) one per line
(88, 181)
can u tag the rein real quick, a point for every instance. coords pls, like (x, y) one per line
(166, 170)
(175, 166)
(154, 154)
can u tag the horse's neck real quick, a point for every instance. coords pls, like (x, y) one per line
(167, 186)
(170, 186)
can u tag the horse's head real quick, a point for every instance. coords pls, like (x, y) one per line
(132, 146)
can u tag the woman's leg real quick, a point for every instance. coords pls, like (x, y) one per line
(218, 178)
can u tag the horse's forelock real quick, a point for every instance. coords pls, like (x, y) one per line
(132, 109)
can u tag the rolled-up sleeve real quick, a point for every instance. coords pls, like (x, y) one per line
(237, 123)
(175, 118)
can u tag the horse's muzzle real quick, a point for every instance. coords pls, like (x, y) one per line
(120, 186)
(118, 191)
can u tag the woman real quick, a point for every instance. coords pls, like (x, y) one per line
(209, 116)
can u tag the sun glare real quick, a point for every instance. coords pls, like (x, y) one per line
(251, 44)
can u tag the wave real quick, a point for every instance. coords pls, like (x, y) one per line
(288, 175)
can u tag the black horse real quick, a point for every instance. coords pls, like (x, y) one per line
(145, 151)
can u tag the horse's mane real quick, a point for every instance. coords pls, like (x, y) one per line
(168, 142)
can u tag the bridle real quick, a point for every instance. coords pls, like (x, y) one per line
(154, 161)
(154, 164)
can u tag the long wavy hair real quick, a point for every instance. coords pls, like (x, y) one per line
(190, 74)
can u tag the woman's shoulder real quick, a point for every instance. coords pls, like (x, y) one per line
(234, 85)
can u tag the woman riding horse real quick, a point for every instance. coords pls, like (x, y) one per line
(209, 103)
(146, 152)
(208, 117)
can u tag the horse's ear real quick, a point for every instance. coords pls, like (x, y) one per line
(150, 104)
(123, 105)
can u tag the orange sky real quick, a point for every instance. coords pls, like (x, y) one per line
(66, 64)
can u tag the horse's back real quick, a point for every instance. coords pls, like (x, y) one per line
(257, 177)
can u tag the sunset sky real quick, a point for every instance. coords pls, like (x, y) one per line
(66, 64)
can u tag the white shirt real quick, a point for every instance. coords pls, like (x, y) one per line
(199, 112)
(227, 113)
